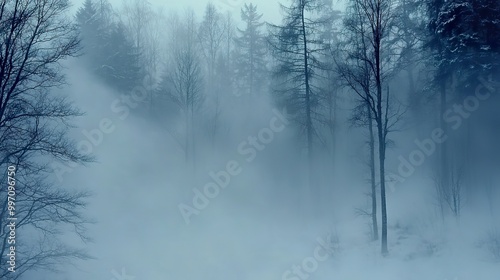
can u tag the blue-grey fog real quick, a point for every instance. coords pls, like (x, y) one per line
(231, 139)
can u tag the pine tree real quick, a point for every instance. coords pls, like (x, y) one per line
(109, 53)
(121, 69)
(470, 33)
(89, 23)
(251, 51)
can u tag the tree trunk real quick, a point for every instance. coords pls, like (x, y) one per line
(383, 204)
(381, 127)
(309, 128)
(444, 168)
(372, 175)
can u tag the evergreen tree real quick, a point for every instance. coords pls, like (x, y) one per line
(251, 51)
(470, 31)
(122, 69)
(109, 53)
(91, 32)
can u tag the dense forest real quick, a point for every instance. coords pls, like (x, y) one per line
(357, 139)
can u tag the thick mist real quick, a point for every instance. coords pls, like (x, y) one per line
(254, 228)
(233, 141)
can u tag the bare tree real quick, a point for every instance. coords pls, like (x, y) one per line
(35, 37)
(183, 82)
(358, 77)
(375, 49)
(229, 27)
(138, 16)
(211, 37)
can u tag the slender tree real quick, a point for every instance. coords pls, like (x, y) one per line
(182, 82)
(354, 69)
(211, 37)
(138, 15)
(251, 50)
(375, 48)
(297, 49)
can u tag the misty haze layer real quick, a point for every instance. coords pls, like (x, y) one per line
(229, 140)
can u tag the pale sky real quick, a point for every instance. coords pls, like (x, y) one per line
(269, 8)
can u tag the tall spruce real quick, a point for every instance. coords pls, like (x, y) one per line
(251, 51)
